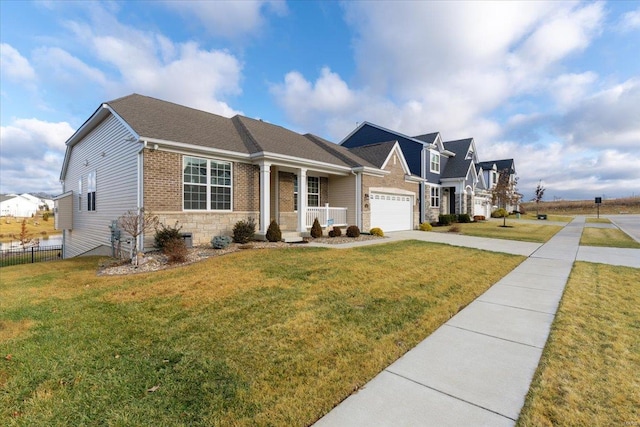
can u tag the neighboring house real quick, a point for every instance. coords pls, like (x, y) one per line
(453, 180)
(207, 172)
(491, 171)
(22, 205)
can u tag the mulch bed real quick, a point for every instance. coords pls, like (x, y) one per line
(156, 260)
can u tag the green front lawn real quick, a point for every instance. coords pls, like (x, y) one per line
(526, 232)
(258, 337)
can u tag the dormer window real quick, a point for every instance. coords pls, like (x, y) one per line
(434, 164)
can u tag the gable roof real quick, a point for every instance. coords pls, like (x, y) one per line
(376, 153)
(458, 165)
(500, 165)
(157, 121)
(429, 138)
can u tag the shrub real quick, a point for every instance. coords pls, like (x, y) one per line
(316, 230)
(522, 210)
(353, 231)
(165, 234)
(273, 232)
(425, 226)
(376, 231)
(446, 219)
(499, 213)
(175, 250)
(454, 229)
(464, 218)
(479, 218)
(45, 216)
(335, 232)
(243, 231)
(220, 242)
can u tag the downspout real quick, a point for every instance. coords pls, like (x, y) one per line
(140, 197)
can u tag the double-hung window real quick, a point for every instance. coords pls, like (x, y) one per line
(91, 191)
(206, 184)
(313, 191)
(435, 197)
(434, 164)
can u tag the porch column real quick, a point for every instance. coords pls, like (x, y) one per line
(265, 200)
(302, 200)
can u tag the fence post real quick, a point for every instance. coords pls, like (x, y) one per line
(33, 259)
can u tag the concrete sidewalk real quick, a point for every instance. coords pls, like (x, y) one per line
(475, 369)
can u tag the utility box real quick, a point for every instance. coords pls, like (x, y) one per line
(188, 239)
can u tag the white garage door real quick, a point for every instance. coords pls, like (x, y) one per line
(391, 212)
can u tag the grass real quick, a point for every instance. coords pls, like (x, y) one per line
(525, 232)
(556, 218)
(630, 205)
(598, 221)
(607, 237)
(276, 337)
(8, 231)
(588, 374)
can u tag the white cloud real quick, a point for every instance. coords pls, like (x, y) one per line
(60, 65)
(151, 64)
(32, 154)
(230, 19)
(630, 21)
(436, 66)
(607, 119)
(569, 89)
(15, 67)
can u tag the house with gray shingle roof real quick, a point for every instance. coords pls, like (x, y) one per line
(208, 172)
(454, 181)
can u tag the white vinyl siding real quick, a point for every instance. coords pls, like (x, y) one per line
(114, 160)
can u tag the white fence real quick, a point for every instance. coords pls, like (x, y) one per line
(326, 215)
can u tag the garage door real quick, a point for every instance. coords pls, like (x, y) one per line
(391, 212)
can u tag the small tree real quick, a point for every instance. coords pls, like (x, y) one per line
(274, 234)
(316, 229)
(24, 237)
(136, 222)
(505, 192)
(539, 195)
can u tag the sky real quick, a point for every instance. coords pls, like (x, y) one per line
(553, 85)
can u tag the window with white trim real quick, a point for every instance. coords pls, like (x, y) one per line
(435, 197)
(313, 191)
(434, 164)
(206, 184)
(91, 191)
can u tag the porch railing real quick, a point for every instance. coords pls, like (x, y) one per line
(327, 215)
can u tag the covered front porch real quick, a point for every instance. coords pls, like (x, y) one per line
(327, 196)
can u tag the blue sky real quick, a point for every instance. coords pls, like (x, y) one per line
(554, 85)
